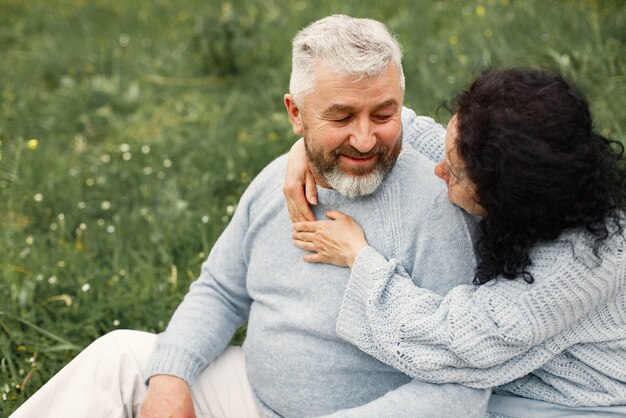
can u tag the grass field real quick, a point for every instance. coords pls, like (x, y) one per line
(129, 129)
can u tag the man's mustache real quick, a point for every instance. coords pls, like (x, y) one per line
(350, 151)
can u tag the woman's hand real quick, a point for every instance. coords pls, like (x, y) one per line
(299, 187)
(336, 241)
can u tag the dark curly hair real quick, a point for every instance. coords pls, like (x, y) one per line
(528, 144)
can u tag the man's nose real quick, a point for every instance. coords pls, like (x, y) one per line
(363, 138)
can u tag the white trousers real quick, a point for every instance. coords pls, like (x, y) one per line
(107, 380)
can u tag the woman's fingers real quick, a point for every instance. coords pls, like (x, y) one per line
(303, 236)
(305, 245)
(304, 226)
(310, 190)
(299, 184)
(297, 204)
(336, 215)
(314, 258)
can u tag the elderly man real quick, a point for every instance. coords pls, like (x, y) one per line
(346, 95)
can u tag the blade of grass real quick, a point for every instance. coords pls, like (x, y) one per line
(64, 343)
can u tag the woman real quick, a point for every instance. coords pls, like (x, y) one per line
(546, 319)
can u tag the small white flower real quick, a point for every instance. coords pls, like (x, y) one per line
(145, 149)
(167, 163)
(205, 219)
(30, 240)
(81, 205)
(105, 205)
(123, 40)
(85, 287)
(38, 197)
(110, 229)
(116, 323)
(52, 279)
(124, 148)
(127, 156)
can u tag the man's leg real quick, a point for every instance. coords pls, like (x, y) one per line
(222, 390)
(104, 380)
(107, 380)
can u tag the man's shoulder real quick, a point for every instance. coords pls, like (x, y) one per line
(267, 186)
(423, 134)
(420, 191)
(274, 172)
(415, 171)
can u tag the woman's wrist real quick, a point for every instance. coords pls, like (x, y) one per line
(351, 258)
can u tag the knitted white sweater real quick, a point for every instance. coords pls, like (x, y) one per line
(561, 339)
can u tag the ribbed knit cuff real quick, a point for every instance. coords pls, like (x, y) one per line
(368, 269)
(175, 361)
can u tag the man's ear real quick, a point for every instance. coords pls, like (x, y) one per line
(294, 115)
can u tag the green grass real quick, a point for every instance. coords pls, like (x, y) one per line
(128, 131)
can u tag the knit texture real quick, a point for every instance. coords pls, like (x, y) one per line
(423, 134)
(297, 365)
(561, 339)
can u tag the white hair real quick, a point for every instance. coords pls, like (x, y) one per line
(353, 186)
(350, 46)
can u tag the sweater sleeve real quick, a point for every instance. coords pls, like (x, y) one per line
(423, 134)
(215, 306)
(480, 336)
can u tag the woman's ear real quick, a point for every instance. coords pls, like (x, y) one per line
(294, 115)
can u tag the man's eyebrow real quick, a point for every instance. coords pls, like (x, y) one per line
(341, 108)
(338, 108)
(386, 103)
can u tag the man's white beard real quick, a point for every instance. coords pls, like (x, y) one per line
(354, 185)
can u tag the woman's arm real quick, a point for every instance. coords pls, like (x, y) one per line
(423, 134)
(299, 186)
(480, 336)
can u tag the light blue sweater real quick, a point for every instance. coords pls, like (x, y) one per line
(297, 365)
